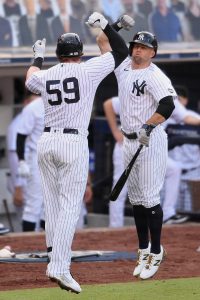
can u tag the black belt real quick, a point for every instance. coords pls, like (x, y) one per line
(130, 136)
(65, 130)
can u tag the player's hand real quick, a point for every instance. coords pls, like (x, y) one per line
(118, 136)
(39, 48)
(18, 198)
(144, 134)
(88, 194)
(97, 20)
(125, 22)
(23, 169)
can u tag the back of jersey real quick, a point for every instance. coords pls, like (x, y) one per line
(68, 90)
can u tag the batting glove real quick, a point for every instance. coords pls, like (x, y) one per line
(144, 134)
(97, 20)
(39, 48)
(23, 169)
(125, 22)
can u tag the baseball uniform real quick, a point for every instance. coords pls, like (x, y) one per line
(68, 91)
(116, 209)
(32, 125)
(140, 92)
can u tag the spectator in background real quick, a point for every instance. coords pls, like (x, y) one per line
(91, 33)
(112, 8)
(193, 17)
(144, 7)
(140, 21)
(178, 6)
(164, 23)
(60, 23)
(12, 12)
(44, 20)
(77, 17)
(28, 25)
(73, 23)
(11, 7)
(6, 39)
(179, 9)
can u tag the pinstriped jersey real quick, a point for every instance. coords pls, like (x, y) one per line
(32, 122)
(140, 91)
(68, 90)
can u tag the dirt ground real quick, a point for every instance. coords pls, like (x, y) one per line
(180, 242)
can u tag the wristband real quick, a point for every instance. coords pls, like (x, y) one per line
(116, 26)
(38, 62)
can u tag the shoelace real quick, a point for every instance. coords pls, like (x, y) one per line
(149, 262)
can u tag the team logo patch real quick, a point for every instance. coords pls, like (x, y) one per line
(139, 88)
(171, 91)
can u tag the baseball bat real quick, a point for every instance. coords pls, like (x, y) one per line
(123, 178)
(8, 214)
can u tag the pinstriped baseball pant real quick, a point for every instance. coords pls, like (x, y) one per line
(63, 162)
(147, 175)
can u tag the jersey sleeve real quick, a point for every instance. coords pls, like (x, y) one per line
(99, 67)
(27, 120)
(160, 86)
(116, 105)
(35, 82)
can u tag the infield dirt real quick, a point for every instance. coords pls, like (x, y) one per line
(180, 242)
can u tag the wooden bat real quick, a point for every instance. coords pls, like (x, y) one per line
(123, 178)
(8, 215)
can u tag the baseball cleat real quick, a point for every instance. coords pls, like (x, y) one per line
(152, 265)
(143, 255)
(66, 282)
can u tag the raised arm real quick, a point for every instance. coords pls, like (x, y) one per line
(112, 120)
(117, 44)
(125, 22)
(38, 50)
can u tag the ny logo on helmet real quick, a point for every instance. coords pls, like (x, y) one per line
(141, 37)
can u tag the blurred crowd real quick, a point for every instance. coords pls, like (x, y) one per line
(24, 21)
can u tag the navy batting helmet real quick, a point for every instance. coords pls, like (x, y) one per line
(69, 45)
(145, 38)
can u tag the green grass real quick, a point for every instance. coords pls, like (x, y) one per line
(173, 289)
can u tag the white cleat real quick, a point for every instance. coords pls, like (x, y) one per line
(153, 264)
(66, 282)
(143, 255)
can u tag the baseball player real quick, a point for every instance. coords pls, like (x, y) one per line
(87, 199)
(14, 182)
(116, 209)
(146, 100)
(68, 91)
(30, 128)
(185, 158)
